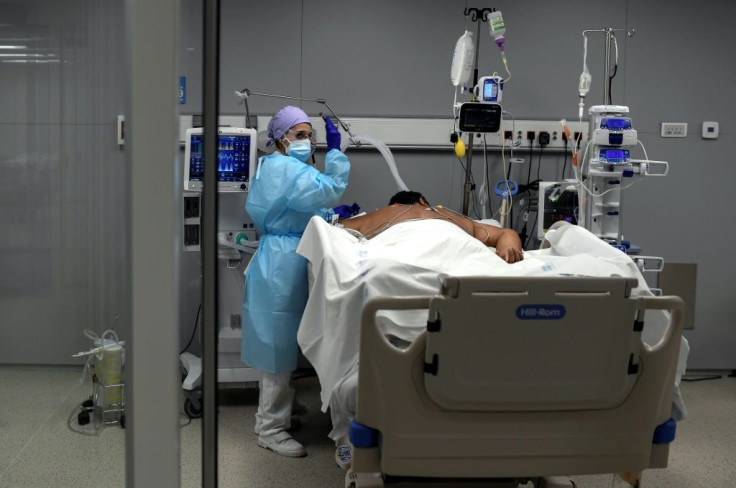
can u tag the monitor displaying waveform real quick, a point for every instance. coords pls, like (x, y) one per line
(233, 157)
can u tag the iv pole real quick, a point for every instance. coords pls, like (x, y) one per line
(475, 14)
(608, 31)
(609, 38)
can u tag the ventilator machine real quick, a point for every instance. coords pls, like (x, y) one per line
(236, 238)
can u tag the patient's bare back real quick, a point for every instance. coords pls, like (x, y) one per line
(372, 224)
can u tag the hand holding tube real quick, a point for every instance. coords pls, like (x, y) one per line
(332, 135)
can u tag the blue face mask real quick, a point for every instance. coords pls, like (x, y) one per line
(300, 150)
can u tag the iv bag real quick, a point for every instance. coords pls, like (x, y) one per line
(462, 60)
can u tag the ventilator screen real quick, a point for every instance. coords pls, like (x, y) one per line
(233, 158)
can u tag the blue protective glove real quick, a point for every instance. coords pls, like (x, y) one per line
(332, 135)
(347, 211)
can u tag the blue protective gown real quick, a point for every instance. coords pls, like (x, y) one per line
(283, 196)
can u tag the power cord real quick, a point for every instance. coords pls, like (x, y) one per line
(196, 325)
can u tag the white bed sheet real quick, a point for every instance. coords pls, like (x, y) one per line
(408, 259)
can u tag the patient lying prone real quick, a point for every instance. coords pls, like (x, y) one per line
(408, 260)
(409, 206)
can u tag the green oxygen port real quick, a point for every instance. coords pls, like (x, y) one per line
(240, 239)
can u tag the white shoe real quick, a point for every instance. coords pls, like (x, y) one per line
(344, 456)
(282, 443)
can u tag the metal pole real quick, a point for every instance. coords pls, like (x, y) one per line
(607, 67)
(468, 187)
(208, 241)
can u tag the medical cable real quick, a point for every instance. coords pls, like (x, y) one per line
(75, 413)
(508, 175)
(539, 162)
(531, 234)
(593, 194)
(612, 75)
(476, 200)
(387, 224)
(528, 188)
(484, 193)
(513, 131)
(582, 164)
(472, 186)
(488, 181)
(564, 165)
(196, 325)
(471, 221)
(622, 188)
(370, 233)
(643, 149)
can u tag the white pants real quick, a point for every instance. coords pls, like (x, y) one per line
(274, 403)
(343, 405)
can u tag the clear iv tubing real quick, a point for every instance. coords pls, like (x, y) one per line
(385, 152)
(505, 65)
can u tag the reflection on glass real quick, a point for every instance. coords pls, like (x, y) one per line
(62, 250)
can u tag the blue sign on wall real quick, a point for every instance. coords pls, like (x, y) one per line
(182, 90)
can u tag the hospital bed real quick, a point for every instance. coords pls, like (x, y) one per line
(517, 379)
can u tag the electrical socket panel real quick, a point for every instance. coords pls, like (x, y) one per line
(674, 129)
(520, 129)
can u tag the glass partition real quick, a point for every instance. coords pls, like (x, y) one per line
(63, 254)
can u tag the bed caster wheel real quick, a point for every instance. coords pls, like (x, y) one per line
(193, 411)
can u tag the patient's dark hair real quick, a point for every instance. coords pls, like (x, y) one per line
(407, 198)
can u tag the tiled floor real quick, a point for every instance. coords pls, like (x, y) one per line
(37, 449)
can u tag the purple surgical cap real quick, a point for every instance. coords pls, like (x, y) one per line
(285, 119)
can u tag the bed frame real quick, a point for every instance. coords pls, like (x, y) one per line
(517, 379)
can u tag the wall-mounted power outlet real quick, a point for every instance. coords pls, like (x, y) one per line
(121, 130)
(674, 129)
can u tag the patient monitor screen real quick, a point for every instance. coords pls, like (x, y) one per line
(480, 117)
(233, 158)
(557, 201)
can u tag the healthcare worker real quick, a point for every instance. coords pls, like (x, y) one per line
(284, 194)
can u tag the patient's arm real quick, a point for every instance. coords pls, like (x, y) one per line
(508, 246)
(506, 241)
